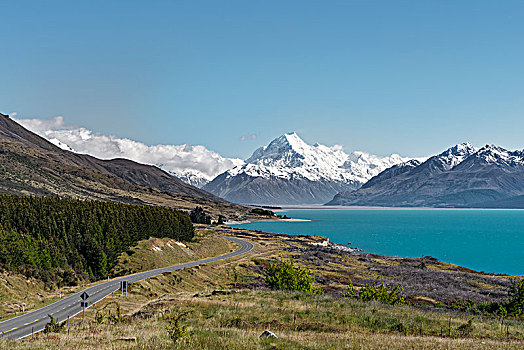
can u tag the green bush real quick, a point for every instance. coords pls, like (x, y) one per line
(513, 307)
(515, 304)
(99, 317)
(176, 330)
(52, 326)
(466, 328)
(285, 275)
(376, 292)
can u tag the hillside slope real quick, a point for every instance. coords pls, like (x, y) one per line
(132, 172)
(30, 165)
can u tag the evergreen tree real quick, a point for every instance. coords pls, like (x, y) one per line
(47, 233)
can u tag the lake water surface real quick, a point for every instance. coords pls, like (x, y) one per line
(483, 240)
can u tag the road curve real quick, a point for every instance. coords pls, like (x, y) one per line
(35, 321)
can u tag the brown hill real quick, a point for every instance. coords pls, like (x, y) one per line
(31, 165)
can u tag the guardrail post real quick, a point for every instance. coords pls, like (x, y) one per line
(123, 286)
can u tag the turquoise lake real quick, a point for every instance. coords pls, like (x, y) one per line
(483, 240)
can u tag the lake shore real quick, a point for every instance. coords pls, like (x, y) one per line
(482, 240)
(243, 222)
(357, 207)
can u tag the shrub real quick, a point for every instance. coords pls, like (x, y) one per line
(466, 328)
(376, 292)
(116, 318)
(52, 326)
(99, 317)
(176, 330)
(513, 307)
(515, 304)
(285, 275)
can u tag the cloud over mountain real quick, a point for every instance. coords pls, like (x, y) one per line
(196, 165)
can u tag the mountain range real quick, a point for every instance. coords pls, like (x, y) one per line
(290, 171)
(287, 171)
(461, 176)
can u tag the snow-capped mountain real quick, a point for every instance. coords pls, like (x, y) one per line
(455, 155)
(290, 171)
(462, 176)
(491, 154)
(191, 176)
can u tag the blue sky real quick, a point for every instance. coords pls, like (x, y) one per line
(411, 77)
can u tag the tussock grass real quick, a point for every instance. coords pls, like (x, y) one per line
(236, 320)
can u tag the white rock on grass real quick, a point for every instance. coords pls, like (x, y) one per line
(268, 334)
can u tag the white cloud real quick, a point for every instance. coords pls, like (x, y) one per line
(248, 137)
(194, 164)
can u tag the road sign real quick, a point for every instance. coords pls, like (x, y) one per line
(84, 303)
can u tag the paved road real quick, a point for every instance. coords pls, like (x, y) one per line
(35, 321)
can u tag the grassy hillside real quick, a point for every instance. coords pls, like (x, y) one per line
(228, 304)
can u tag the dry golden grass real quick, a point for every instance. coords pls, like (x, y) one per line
(222, 315)
(236, 320)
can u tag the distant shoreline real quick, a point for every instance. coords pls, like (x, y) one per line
(284, 208)
(343, 207)
(242, 222)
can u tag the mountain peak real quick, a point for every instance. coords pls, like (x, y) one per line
(289, 145)
(456, 154)
(492, 148)
(460, 149)
(501, 156)
(292, 139)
